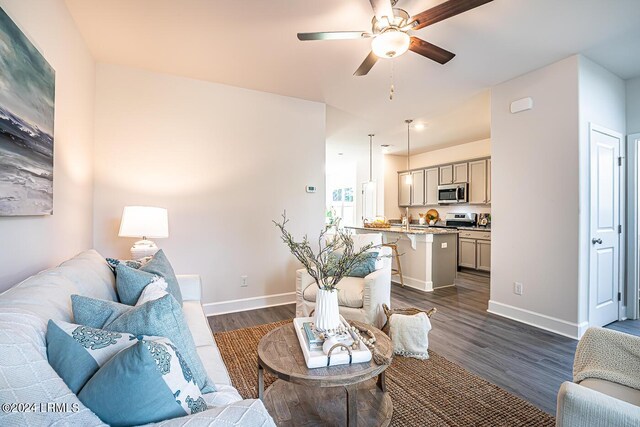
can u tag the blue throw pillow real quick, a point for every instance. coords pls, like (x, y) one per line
(131, 282)
(365, 267)
(361, 269)
(76, 352)
(145, 383)
(161, 317)
(133, 263)
(160, 266)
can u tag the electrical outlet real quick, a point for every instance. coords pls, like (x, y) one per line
(444, 245)
(243, 282)
(518, 288)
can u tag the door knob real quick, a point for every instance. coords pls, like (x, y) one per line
(598, 241)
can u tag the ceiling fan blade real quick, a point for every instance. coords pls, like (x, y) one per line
(382, 8)
(444, 11)
(334, 35)
(430, 51)
(366, 65)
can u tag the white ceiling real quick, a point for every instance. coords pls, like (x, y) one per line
(253, 44)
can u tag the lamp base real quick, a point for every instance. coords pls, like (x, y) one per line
(143, 248)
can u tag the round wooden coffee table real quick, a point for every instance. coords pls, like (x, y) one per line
(303, 396)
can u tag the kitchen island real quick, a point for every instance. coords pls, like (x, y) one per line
(428, 255)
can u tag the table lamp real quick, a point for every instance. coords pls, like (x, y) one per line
(145, 222)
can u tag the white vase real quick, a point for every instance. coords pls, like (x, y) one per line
(327, 315)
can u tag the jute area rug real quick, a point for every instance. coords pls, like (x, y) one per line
(433, 392)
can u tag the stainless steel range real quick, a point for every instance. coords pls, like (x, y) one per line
(461, 219)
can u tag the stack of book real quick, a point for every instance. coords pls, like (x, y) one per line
(314, 340)
(311, 345)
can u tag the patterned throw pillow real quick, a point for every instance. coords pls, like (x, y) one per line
(145, 383)
(131, 282)
(132, 263)
(160, 265)
(161, 317)
(152, 292)
(76, 352)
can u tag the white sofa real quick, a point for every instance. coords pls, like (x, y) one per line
(27, 377)
(359, 299)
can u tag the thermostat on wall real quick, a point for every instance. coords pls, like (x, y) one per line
(311, 188)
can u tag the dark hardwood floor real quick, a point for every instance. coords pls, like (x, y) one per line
(524, 360)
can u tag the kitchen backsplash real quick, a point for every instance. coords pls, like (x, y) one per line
(443, 210)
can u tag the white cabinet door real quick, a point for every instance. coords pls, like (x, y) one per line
(467, 253)
(417, 188)
(478, 182)
(431, 186)
(483, 255)
(446, 174)
(404, 190)
(489, 181)
(460, 173)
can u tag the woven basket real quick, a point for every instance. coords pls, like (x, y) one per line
(406, 311)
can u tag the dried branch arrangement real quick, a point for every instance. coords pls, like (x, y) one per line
(335, 256)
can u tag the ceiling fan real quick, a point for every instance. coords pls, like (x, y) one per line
(390, 31)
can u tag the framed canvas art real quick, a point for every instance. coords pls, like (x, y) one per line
(27, 93)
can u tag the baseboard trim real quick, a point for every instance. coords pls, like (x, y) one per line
(540, 321)
(420, 285)
(244, 304)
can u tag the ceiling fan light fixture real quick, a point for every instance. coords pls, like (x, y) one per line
(390, 44)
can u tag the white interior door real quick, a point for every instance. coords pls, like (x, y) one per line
(604, 280)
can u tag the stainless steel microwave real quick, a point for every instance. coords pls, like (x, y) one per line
(453, 193)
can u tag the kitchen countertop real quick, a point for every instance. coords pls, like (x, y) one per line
(441, 224)
(412, 230)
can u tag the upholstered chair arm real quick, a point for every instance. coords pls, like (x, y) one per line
(190, 287)
(303, 279)
(249, 412)
(377, 291)
(580, 406)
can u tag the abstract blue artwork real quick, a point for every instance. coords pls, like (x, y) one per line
(27, 93)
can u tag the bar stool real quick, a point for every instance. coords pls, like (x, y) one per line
(396, 255)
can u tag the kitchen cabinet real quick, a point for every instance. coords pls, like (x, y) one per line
(431, 186)
(454, 174)
(483, 255)
(467, 253)
(417, 188)
(446, 174)
(488, 180)
(474, 249)
(404, 190)
(478, 182)
(460, 173)
(424, 188)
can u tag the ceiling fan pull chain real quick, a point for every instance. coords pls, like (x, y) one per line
(392, 90)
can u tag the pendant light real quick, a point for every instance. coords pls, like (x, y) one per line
(408, 178)
(371, 183)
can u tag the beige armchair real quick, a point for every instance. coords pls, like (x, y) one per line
(606, 387)
(359, 299)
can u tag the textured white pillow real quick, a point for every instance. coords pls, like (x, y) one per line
(153, 291)
(410, 335)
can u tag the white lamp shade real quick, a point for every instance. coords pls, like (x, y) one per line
(144, 221)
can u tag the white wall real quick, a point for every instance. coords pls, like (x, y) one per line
(541, 171)
(601, 102)
(633, 105)
(30, 244)
(225, 161)
(395, 163)
(535, 198)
